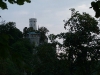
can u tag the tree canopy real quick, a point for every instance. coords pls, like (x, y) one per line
(3, 3)
(96, 7)
(81, 44)
(15, 51)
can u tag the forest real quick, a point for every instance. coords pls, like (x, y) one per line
(79, 54)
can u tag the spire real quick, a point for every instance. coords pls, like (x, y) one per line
(34, 14)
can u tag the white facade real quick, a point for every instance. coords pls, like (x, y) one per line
(32, 23)
(34, 38)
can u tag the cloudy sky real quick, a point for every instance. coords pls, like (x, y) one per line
(49, 13)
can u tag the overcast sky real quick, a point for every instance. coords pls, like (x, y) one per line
(49, 13)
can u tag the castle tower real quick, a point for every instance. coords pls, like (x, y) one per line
(32, 23)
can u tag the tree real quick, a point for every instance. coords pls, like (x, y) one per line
(27, 30)
(22, 55)
(46, 59)
(81, 44)
(43, 31)
(15, 51)
(3, 3)
(52, 37)
(96, 7)
(9, 34)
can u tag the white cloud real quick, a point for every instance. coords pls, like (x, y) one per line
(47, 11)
(85, 8)
(64, 14)
(22, 12)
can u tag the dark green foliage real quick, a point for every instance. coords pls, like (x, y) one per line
(43, 31)
(10, 30)
(27, 30)
(16, 53)
(96, 8)
(81, 44)
(52, 37)
(45, 52)
(4, 45)
(8, 36)
(3, 3)
(22, 54)
(46, 57)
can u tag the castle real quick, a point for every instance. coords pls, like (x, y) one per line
(33, 36)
